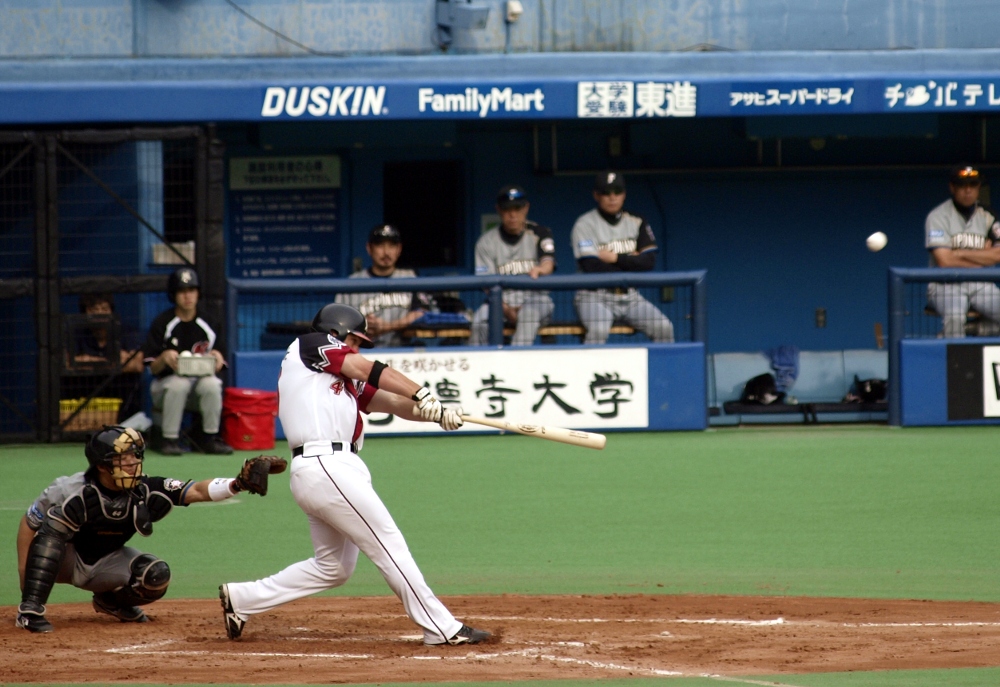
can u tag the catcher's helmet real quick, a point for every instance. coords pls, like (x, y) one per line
(110, 443)
(341, 320)
(183, 278)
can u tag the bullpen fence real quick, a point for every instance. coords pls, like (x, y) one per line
(269, 314)
(935, 379)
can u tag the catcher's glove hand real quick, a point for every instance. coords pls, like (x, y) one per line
(253, 475)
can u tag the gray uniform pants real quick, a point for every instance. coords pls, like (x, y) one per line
(535, 311)
(106, 575)
(599, 309)
(174, 394)
(953, 300)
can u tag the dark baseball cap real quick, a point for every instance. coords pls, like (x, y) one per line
(511, 197)
(966, 175)
(609, 181)
(384, 232)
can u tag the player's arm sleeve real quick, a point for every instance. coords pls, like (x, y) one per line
(546, 244)
(485, 264)
(366, 392)
(645, 246)
(597, 266)
(153, 346)
(935, 235)
(322, 353)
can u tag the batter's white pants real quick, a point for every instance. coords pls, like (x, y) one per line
(345, 514)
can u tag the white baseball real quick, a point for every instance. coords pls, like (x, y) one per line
(876, 241)
(185, 354)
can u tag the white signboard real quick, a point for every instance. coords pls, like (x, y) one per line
(991, 381)
(586, 389)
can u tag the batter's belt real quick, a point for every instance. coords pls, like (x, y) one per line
(323, 448)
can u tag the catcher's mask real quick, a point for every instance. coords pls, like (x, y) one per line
(120, 450)
(341, 320)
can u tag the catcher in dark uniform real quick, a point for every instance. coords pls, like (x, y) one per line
(76, 531)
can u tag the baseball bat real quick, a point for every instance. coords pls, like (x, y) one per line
(561, 434)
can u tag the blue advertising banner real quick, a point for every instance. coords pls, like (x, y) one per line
(175, 101)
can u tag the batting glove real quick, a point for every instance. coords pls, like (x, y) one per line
(428, 407)
(451, 419)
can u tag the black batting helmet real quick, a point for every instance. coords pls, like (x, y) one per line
(112, 442)
(182, 278)
(340, 320)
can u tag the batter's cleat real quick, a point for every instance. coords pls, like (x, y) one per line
(31, 617)
(469, 635)
(234, 623)
(126, 614)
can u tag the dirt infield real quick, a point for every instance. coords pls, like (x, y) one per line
(367, 640)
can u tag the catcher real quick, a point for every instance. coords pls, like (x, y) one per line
(75, 532)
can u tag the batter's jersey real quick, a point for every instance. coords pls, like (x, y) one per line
(498, 252)
(946, 227)
(102, 520)
(169, 331)
(593, 233)
(397, 302)
(316, 402)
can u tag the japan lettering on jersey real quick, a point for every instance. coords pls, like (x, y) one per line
(315, 401)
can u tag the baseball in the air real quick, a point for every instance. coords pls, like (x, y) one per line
(877, 241)
(185, 354)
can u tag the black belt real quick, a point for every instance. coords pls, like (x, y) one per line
(334, 447)
(619, 291)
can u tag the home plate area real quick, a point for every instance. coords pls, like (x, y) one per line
(359, 640)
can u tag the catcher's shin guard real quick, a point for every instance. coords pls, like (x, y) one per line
(42, 566)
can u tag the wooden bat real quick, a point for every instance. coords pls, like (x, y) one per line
(566, 436)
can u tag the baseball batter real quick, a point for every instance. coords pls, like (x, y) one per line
(962, 233)
(76, 530)
(608, 239)
(517, 246)
(323, 387)
(387, 313)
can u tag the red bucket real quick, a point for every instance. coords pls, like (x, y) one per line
(248, 418)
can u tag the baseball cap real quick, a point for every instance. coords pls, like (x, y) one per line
(966, 175)
(609, 181)
(511, 197)
(384, 232)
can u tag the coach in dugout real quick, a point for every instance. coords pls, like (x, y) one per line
(609, 239)
(178, 331)
(388, 314)
(962, 233)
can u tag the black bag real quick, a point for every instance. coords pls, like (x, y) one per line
(867, 391)
(761, 390)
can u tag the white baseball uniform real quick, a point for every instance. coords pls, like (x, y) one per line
(946, 227)
(320, 411)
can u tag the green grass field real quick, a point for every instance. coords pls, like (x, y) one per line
(858, 510)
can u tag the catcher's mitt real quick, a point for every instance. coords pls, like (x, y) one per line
(253, 475)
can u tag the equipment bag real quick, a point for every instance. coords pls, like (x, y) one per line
(761, 390)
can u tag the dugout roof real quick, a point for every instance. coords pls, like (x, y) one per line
(534, 86)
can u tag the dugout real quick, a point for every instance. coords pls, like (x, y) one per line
(767, 170)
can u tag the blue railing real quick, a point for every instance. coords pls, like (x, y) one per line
(313, 293)
(901, 307)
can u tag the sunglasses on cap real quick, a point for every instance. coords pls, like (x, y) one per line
(966, 176)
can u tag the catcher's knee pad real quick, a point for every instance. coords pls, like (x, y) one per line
(150, 579)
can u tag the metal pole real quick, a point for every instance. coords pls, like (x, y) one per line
(897, 313)
(495, 299)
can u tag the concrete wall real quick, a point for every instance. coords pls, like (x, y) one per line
(198, 28)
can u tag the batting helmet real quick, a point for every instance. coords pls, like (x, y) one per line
(109, 444)
(183, 278)
(341, 320)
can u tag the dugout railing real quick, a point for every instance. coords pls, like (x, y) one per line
(267, 313)
(912, 316)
